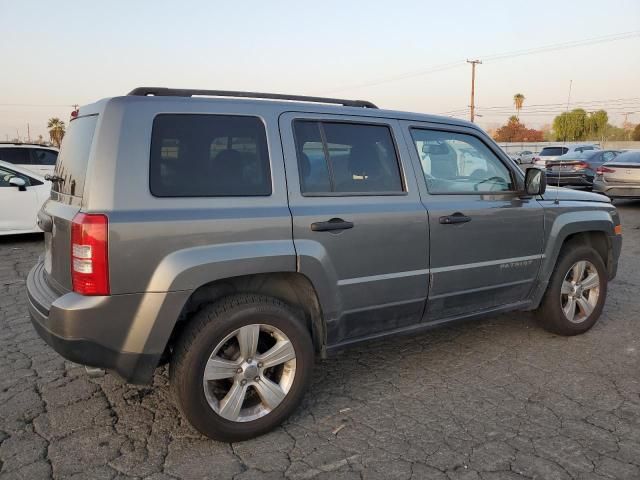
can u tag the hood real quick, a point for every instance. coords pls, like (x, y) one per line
(568, 194)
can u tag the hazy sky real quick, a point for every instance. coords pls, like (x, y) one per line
(54, 54)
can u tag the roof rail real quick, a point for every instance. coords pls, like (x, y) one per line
(179, 92)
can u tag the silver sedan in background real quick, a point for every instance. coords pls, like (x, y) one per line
(619, 178)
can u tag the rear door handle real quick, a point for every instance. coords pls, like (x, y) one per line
(333, 224)
(455, 218)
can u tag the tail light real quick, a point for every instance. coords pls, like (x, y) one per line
(581, 165)
(602, 170)
(89, 254)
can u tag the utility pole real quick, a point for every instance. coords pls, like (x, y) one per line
(28, 134)
(473, 86)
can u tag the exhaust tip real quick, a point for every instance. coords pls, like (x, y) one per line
(94, 372)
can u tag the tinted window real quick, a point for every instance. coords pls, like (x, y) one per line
(549, 151)
(459, 163)
(209, 156)
(17, 156)
(628, 157)
(6, 175)
(74, 156)
(44, 157)
(312, 163)
(607, 156)
(346, 158)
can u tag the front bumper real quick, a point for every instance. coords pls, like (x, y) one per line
(126, 334)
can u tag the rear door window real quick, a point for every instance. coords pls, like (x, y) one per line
(346, 158)
(73, 158)
(209, 156)
(17, 156)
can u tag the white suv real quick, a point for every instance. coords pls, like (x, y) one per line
(547, 154)
(37, 158)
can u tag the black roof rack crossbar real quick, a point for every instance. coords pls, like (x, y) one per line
(179, 92)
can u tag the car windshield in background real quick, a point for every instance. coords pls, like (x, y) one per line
(71, 166)
(551, 151)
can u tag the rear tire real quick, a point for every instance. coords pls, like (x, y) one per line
(576, 292)
(241, 367)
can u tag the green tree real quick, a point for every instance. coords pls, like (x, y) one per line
(518, 101)
(56, 130)
(636, 133)
(571, 126)
(596, 123)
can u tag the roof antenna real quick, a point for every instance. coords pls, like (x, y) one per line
(564, 144)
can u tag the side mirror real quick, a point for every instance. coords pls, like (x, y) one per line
(18, 182)
(535, 182)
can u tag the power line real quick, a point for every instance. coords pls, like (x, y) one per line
(32, 105)
(495, 57)
(611, 104)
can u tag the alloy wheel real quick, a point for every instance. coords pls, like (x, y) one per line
(580, 291)
(249, 373)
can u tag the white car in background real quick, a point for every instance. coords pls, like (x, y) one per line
(22, 193)
(34, 157)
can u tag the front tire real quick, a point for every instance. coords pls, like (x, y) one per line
(576, 292)
(241, 367)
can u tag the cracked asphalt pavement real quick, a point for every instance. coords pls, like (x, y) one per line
(492, 399)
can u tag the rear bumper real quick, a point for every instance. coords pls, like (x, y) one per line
(619, 190)
(572, 179)
(126, 334)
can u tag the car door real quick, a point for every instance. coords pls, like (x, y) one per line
(18, 208)
(486, 238)
(359, 227)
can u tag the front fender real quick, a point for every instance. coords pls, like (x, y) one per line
(560, 225)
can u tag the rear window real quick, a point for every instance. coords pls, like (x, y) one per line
(74, 156)
(628, 157)
(549, 151)
(209, 156)
(17, 156)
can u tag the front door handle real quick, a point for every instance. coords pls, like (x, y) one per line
(455, 218)
(333, 224)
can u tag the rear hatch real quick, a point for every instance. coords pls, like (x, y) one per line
(621, 172)
(66, 199)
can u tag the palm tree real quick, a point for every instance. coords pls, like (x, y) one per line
(56, 130)
(518, 101)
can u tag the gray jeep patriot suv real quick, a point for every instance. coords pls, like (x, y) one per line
(240, 236)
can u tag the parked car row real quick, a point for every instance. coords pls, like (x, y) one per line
(577, 168)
